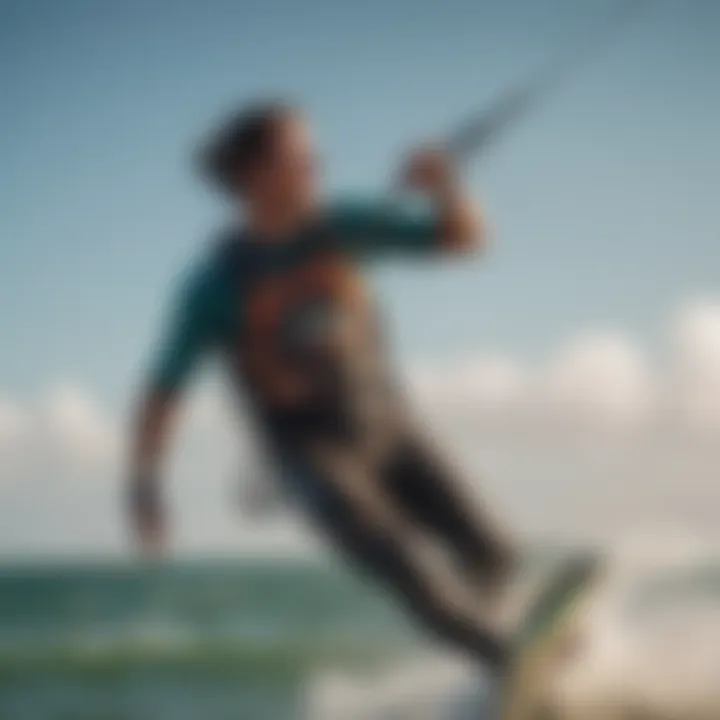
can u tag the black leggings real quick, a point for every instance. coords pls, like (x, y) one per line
(375, 514)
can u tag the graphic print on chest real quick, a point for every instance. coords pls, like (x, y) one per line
(303, 325)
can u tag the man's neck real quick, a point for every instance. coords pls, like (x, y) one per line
(272, 225)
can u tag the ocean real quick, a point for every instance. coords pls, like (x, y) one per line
(206, 639)
(279, 640)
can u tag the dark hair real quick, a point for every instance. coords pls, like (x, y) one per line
(241, 142)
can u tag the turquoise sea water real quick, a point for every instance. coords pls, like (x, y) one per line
(214, 640)
(245, 640)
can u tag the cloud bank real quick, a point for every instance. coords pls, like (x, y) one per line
(599, 379)
(596, 440)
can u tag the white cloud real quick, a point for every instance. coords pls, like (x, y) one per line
(13, 435)
(489, 383)
(597, 440)
(537, 436)
(12, 424)
(72, 424)
(697, 363)
(66, 431)
(600, 377)
(597, 380)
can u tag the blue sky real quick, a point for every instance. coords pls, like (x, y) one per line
(603, 206)
(603, 203)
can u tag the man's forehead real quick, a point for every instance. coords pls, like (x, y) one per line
(295, 131)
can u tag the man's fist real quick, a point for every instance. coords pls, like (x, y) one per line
(429, 170)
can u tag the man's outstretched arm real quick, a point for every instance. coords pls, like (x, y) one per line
(186, 341)
(449, 222)
(152, 425)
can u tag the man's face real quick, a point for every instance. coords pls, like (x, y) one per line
(288, 178)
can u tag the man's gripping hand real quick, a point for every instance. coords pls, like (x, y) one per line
(432, 172)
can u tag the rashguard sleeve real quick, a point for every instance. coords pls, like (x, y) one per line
(372, 229)
(186, 338)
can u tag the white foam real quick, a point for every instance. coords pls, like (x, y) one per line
(660, 662)
(424, 688)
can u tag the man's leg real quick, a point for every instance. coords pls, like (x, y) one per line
(430, 491)
(351, 506)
